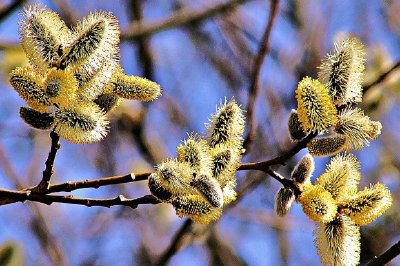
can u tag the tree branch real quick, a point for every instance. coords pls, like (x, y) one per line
(89, 202)
(385, 257)
(137, 30)
(382, 77)
(49, 170)
(255, 77)
(4, 12)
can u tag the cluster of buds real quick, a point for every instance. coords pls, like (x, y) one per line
(202, 178)
(326, 102)
(74, 77)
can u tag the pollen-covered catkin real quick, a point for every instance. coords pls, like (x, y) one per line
(36, 119)
(367, 205)
(197, 208)
(316, 111)
(342, 71)
(296, 132)
(194, 150)
(338, 242)
(327, 146)
(304, 169)
(60, 87)
(82, 123)
(156, 188)
(341, 176)
(283, 201)
(318, 204)
(107, 101)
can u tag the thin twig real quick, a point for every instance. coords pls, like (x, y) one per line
(10, 8)
(96, 183)
(176, 243)
(382, 77)
(179, 18)
(256, 72)
(49, 170)
(89, 202)
(385, 257)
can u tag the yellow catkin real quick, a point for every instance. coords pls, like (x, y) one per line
(196, 208)
(341, 176)
(157, 189)
(43, 36)
(342, 71)
(338, 242)
(318, 204)
(327, 146)
(357, 127)
(194, 151)
(107, 101)
(315, 108)
(228, 191)
(28, 84)
(296, 132)
(210, 189)
(224, 162)
(36, 119)
(95, 41)
(367, 205)
(283, 201)
(60, 87)
(82, 122)
(133, 87)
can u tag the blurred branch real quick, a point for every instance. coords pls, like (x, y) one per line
(382, 77)
(385, 257)
(89, 202)
(136, 30)
(49, 170)
(6, 11)
(177, 243)
(256, 72)
(67, 13)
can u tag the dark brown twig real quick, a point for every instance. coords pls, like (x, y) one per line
(386, 256)
(256, 72)
(49, 199)
(179, 18)
(9, 9)
(49, 170)
(382, 77)
(176, 242)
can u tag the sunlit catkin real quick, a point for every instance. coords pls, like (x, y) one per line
(304, 169)
(60, 87)
(318, 204)
(95, 41)
(367, 205)
(36, 119)
(296, 131)
(194, 151)
(43, 36)
(327, 146)
(341, 176)
(338, 242)
(315, 108)
(107, 101)
(28, 84)
(357, 127)
(83, 122)
(157, 189)
(283, 201)
(342, 71)
(197, 208)
(133, 87)
(226, 126)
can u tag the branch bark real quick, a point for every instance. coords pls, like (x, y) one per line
(385, 257)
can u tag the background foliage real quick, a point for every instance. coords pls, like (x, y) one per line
(197, 62)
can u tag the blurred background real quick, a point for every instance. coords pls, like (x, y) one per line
(198, 62)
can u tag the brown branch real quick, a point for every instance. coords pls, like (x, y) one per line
(5, 12)
(89, 202)
(382, 77)
(177, 243)
(255, 77)
(179, 18)
(385, 257)
(96, 183)
(49, 170)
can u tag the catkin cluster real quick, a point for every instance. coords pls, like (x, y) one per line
(326, 103)
(74, 77)
(201, 180)
(335, 203)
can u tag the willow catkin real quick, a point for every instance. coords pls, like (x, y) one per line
(36, 119)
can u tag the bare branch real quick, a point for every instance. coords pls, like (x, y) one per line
(382, 77)
(48, 171)
(259, 61)
(4, 12)
(385, 257)
(179, 18)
